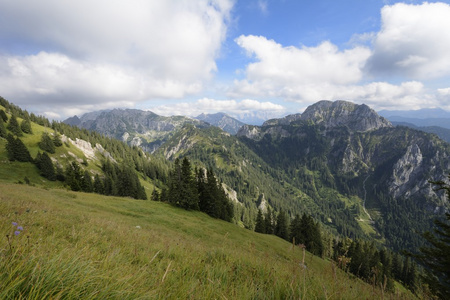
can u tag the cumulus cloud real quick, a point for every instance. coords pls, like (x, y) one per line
(411, 47)
(306, 64)
(109, 50)
(413, 41)
(239, 109)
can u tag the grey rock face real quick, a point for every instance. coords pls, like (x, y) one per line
(223, 121)
(342, 113)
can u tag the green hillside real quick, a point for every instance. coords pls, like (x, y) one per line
(78, 245)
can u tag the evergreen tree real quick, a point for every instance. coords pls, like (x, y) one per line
(98, 185)
(436, 257)
(182, 186)
(269, 221)
(260, 225)
(86, 182)
(46, 143)
(3, 116)
(60, 173)
(3, 132)
(73, 176)
(155, 195)
(281, 228)
(174, 192)
(25, 126)
(16, 149)
(189, 198)
(57, 140)
(14, 127)
(45, 165)
(295, 229)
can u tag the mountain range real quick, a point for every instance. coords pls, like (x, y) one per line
(345, 164)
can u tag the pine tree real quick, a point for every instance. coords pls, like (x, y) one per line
(3, 132)
(189, 198)
(14, 127)
(281, 228)
(436, 257)
(57, 140)
(174, 192)
(73, 176)
(260, 225)
(16, 149)
(98, 185)
(45, 165)
(25, 126)
(86, 182)
(269, 221)
(155, 195)
(3, 116)
(295, 230)
(46, 143)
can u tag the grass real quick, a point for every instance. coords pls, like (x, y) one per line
(77, 245)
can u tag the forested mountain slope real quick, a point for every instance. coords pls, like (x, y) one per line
(358, 153)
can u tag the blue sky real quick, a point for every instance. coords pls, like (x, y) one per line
(253, 58)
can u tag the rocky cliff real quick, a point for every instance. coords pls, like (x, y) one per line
(136, 127)
(343, 113)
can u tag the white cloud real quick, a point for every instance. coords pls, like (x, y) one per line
(413, 41)
(232, 107)
(292, 65)
(109, 50)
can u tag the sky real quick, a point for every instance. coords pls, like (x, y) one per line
(248, 58)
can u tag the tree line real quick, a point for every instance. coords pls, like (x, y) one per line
(196, 189)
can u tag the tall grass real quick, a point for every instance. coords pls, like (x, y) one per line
(86, 246)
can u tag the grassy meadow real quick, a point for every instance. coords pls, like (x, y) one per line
(86, 246)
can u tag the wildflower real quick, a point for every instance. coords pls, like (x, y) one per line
(19, 228)
(14, 223)
(17, 232)
(138, 227)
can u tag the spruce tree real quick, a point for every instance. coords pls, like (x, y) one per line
(189, 199)
(14, 126)
(45, 165)
(25, 126)
(98, 185)
(86, 182)
(16, 149)
(3, 116)
(3, 132)
(175, 192)
(73, 176)
(46, 143)
(281, 228)
(57, 140)
(155, 195)
(436, 256)
(260, 225)
(269, 221)
(295, 230)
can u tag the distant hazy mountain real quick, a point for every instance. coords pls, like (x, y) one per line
(422, 117)
(223, 121)
(136, 127)
(441, 132)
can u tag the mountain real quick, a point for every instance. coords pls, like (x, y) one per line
(342, 163)
(441, 132)
(349, 149)
(421, 118)
(136, 127)
(355, 173)
(223, 121)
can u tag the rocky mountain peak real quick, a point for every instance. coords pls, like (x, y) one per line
(343, 113)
